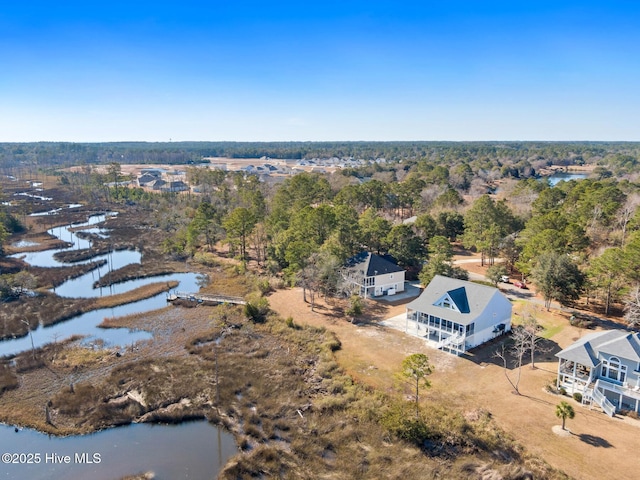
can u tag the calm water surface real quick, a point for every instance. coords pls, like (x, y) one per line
(82, 287)
(193, 450)
(562, 176)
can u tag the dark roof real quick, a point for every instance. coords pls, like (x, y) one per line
(459, 297)
(146, 178)
(372, 264)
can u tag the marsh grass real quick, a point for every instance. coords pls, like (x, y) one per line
(140, 293)
(8, 379)
(294, 412)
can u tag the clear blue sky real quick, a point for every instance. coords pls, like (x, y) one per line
(346, 70)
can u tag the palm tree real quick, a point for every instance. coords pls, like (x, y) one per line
(564, 411)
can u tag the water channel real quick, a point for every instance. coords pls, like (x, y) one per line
(82, 287)
(194, 450)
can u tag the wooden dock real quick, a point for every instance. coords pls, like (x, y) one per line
(205, 298)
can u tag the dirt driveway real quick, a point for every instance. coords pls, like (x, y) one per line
(599, 447)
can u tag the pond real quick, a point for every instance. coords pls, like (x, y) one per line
(564, 176)
(194, 450)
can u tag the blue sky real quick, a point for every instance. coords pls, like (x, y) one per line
(349, 70)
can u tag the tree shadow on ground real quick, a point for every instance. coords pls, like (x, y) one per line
(593, 440)
(485, 354)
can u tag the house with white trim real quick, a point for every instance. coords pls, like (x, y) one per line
(457, 315)
(374, 275)
(604, 367)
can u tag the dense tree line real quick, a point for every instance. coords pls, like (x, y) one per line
(514, 159)
(413, 208)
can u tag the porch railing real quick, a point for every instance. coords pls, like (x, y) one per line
(578, 375)
(628, 392)
(603, 401)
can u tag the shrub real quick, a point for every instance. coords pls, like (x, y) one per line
(562, 391)
(290, 323)
(630, 413)
(207, 259)
(577, 397)
(264, 286)
(403, 423)
(257, 311)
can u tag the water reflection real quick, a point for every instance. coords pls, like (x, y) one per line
(564, 177)
(195, 450)
(82, 287)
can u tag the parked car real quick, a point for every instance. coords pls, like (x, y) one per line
(520, 284)
(504, 278)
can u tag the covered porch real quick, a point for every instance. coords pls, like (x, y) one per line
(575, 377)
(440, 333)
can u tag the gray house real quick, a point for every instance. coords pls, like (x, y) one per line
(374, 275)
(456, 315)
(605, 368)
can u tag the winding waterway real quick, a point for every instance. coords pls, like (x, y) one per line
(193, 450)
(82, 287)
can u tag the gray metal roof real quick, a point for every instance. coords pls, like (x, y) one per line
(620, 343)
(470, 298)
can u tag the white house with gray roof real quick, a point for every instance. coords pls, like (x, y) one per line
(456, 315)
(374, 275)
(605, 368)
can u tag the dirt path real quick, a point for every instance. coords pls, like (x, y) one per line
(599, 447)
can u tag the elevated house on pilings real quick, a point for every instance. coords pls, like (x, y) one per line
(604, 367)
(456, 315)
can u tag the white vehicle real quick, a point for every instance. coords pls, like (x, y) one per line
(504, 278)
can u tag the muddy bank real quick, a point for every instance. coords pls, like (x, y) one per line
(133, 271)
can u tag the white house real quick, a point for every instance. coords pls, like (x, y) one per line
(605, 368)
(375, 275)
(456, 315)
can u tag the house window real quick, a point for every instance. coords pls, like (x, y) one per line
(470, 329)
(612, 369)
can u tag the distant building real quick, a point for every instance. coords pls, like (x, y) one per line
(157, 184)
(146, 179)
(178, 186)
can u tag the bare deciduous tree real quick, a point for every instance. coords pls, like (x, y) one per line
(632, 308)
(514, 355)
(531, 329)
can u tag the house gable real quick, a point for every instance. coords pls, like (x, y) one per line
(470, 299)
(595, 347)
(458, 315)
(455, 300)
